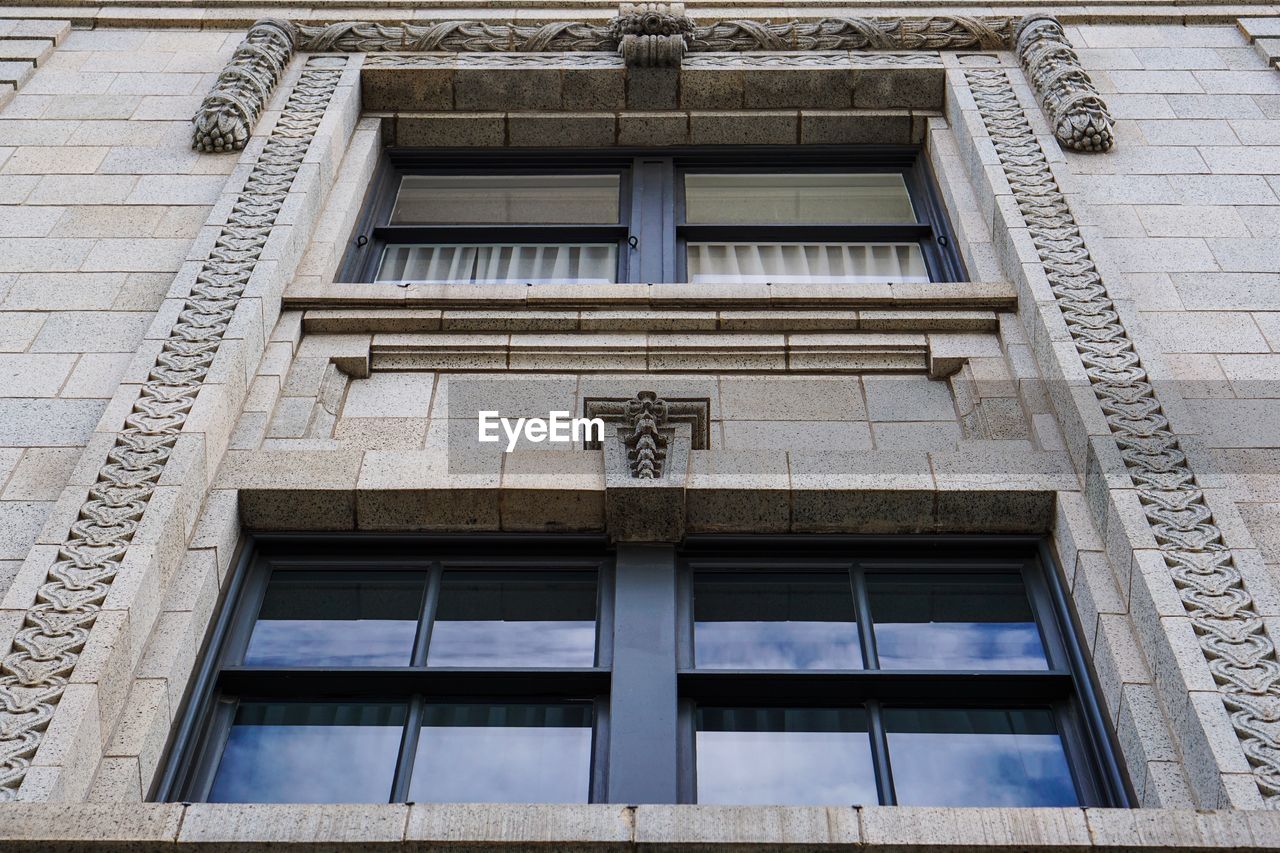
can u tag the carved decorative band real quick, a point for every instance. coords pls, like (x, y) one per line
(227, 115)
(1240, 655)
(34, 675)
(1079, 115)
(938, 32)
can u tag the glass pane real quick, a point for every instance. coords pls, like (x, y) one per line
(797, 198)
(773, 622)
(805, 263)
(980, 621)
(298, 752)
(331, 619)
(506, 199)
(978, 757)
(496, 619)
(503, 754)
(524, 263)
(784, 756)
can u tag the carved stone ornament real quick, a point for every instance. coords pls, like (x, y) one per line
(1228, 627)
(648, 427)
(651, 35)
(35, 673)
(227, 115)
(660, 35)
(1077, 112)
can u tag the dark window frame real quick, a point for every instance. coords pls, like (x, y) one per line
(651, 204)
(640, 587)
(221, 681)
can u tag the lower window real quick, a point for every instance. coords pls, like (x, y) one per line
(822, 671)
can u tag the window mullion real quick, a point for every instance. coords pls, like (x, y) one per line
(643, 713)
(428, 615)
(866, 633)
(408, 750)
(880, 755)
(652, 221)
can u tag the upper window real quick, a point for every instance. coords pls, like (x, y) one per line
(784, 217)
(824, 672)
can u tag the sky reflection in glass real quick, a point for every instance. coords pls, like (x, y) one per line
(784, 756)
(295, 752)
(981, 622)
(978, 757)
(331, 619)
(489, 619)
(751, 621)
(503, 754)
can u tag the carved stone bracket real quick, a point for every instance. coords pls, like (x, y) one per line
(34, 675)
(1079, 116)
(1228, 626)
(646, 458)
(227, 115)
(651, 35)
(646, 445)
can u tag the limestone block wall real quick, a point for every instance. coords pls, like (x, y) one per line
(1186, 218)
(100, 201)
(316, 416)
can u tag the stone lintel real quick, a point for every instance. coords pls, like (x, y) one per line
(716, 491)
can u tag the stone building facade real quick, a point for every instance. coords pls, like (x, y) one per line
(197, 366)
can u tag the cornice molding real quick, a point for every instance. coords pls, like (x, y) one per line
(653, 35)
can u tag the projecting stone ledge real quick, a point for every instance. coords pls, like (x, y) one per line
(716, 491)
(151, 828)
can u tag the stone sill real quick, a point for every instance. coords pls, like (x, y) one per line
(971, 296)
(54, 828)
(417, 320)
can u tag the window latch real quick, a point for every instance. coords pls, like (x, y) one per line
(362, 241)
(942, 240)
(633, 241)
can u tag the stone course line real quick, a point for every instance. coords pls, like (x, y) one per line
(227, 115)
(1240, 655)
(34, 675)
(1080, 118)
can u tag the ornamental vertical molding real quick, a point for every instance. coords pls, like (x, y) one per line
(1241, 657)
(227, 115)
(35, 673)
(1077, 112)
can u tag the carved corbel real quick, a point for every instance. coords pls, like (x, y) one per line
(227, 115)
(1077, 112)
(651, 35)
(647, 442)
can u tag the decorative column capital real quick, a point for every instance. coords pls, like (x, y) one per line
(1079, 115)
(651, 34)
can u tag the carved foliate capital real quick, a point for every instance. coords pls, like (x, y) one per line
(651, 34)
(1079, 116)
